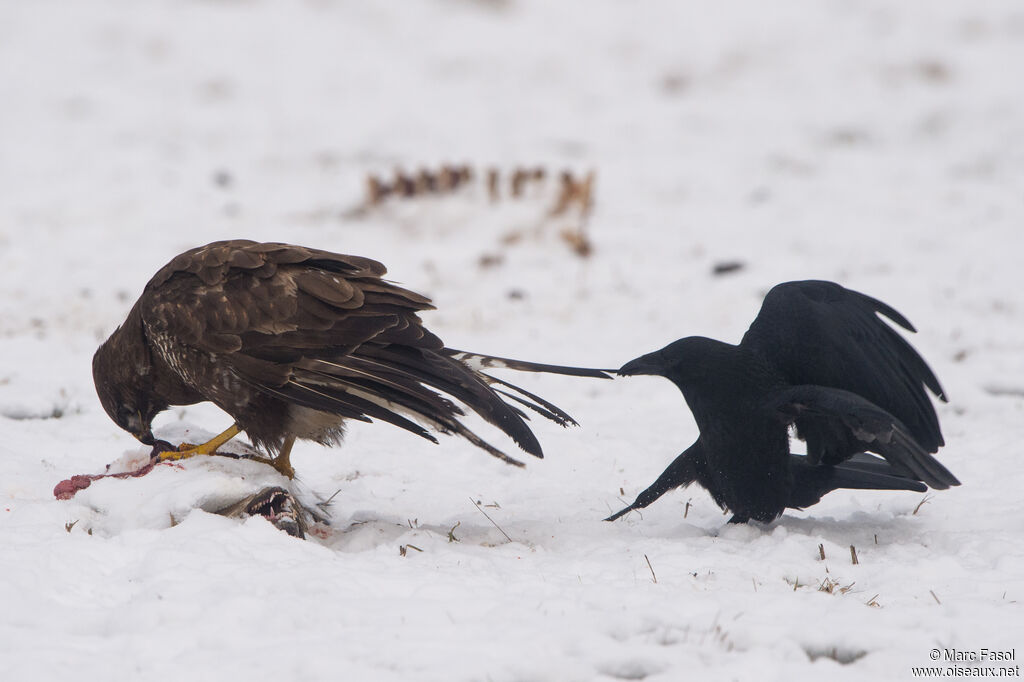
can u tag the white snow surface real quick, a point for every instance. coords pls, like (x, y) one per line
(877, 144)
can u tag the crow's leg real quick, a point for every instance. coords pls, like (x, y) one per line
(681, 472)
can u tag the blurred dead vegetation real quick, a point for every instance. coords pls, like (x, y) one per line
(569, 197)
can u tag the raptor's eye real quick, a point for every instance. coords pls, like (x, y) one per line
(125, 414)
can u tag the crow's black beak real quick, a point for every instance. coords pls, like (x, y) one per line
(645, 364)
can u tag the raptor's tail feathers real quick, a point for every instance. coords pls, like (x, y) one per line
(463, 383)
(481, 362)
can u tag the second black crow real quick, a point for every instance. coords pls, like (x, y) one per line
(819, 357)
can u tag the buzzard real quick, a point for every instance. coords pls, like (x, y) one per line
(817, 356)
(292, 342)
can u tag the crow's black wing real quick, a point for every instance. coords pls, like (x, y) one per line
(681, 472)
(817, 332)
(860, 421)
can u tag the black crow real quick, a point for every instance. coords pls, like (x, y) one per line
(817, 356)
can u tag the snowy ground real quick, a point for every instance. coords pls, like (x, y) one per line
(877, 144)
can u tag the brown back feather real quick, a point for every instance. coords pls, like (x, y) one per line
(322, 330)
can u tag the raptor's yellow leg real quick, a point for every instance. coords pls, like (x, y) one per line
(186, 450)
(283, 461)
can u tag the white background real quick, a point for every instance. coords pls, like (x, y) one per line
(877, 144)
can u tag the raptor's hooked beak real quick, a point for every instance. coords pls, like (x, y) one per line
(138, 428)
(645, 364)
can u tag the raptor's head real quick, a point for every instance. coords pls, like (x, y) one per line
(121, 370)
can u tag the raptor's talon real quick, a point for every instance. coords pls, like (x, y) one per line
(183, 451)
(281, 464)
(186, 450)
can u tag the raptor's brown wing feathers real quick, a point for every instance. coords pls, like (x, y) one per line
(253, 295)
(323, 330)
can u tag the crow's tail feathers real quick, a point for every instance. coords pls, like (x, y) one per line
(811, 482)
(682, 471)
